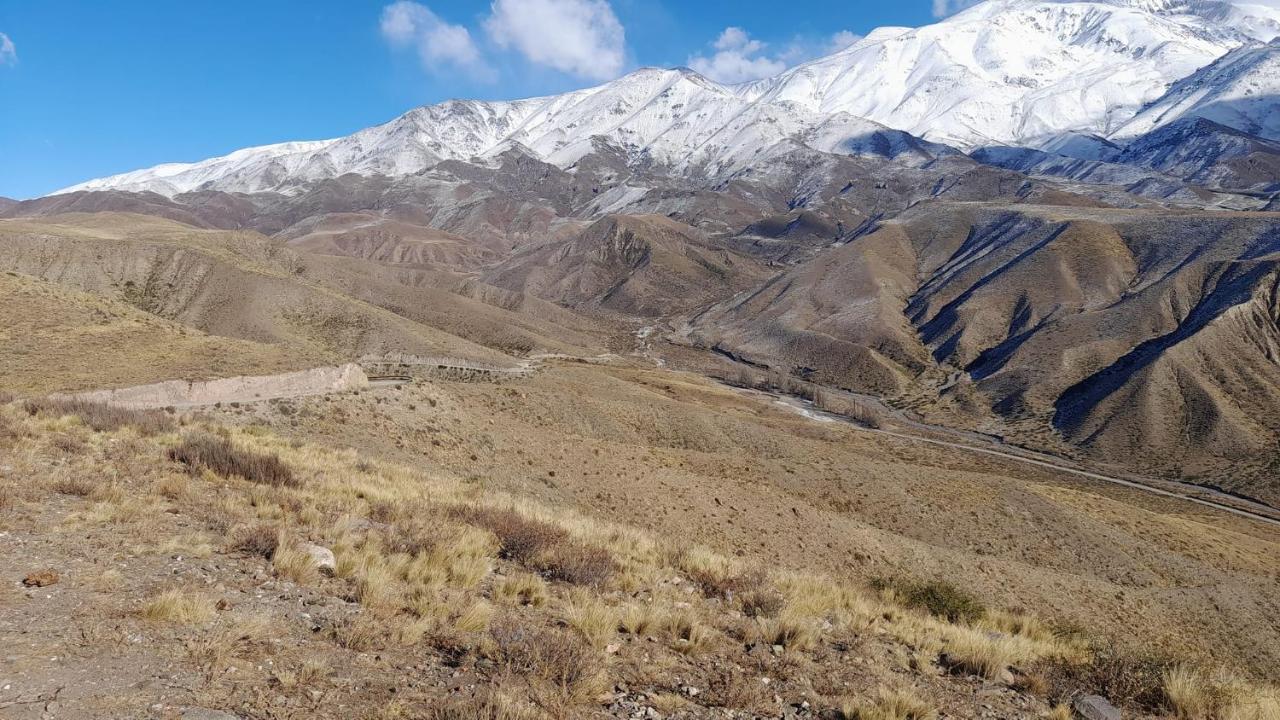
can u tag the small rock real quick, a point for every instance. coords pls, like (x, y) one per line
(198, 713)
(41, 578)
(612, 648)
(323, 557)
(1007, 677)
(1096, 707)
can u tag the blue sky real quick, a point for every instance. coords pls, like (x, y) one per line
(91, 88)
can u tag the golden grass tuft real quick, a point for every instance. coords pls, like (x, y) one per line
(291, 562)
(179, 605)
(523, 588)
(974, 653)
(887, 705)
(595, 621)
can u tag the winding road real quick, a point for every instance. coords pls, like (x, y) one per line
(1202, 495)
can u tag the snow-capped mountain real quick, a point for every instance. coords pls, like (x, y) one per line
(1019, 72)
(1022, 71)
(1240, 90)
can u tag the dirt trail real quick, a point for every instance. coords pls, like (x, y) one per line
(1203, 495)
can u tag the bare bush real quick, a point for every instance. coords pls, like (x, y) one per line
(577, 563)
(260, 540)
(219, 455)
(556, 659)
(519, 538)
(102, 417)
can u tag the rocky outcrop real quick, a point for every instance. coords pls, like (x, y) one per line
(185, 394)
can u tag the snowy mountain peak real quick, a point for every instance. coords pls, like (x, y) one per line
(1013, 72)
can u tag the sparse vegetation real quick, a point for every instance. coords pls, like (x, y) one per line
(219, 455)
(101, 416)
(887, 705)
(180, 605)
(538, 612)
(940, 599)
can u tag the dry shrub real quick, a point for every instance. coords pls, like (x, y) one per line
(519, 538)
(762, 603)
(938, 598)
(1126, 678)
(260, 540)
(222, 457)
(69, 444)
(543, 547)
(888, 705)
(75, 486)
(549, 660)
(103, 417)
(743, 691)
(577, 563)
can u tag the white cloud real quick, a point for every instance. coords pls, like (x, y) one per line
(580, 37)
(842, 40)
(738, 58)
(741, 58)
(438, 43)
(944, 8)
(8, 53)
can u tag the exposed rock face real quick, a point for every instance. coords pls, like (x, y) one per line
(185, 394)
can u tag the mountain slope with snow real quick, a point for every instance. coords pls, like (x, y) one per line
(1021, 72)
(1240, 90)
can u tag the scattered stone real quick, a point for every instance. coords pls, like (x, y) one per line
(1096, 707)
(41, 578)
(323, 557)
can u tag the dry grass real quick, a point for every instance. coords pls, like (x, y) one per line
(291, 562)
(595, 621)
(639, 619)
(524, 589)
(561, 669)
(977, 654)
(1196, 694)
(103, 417)
(76, 486)
(687, 633)
(788, 632)
(887, 705)
(219, 455)
(179, 605)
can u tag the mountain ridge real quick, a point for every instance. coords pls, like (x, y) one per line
(1079, 68)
